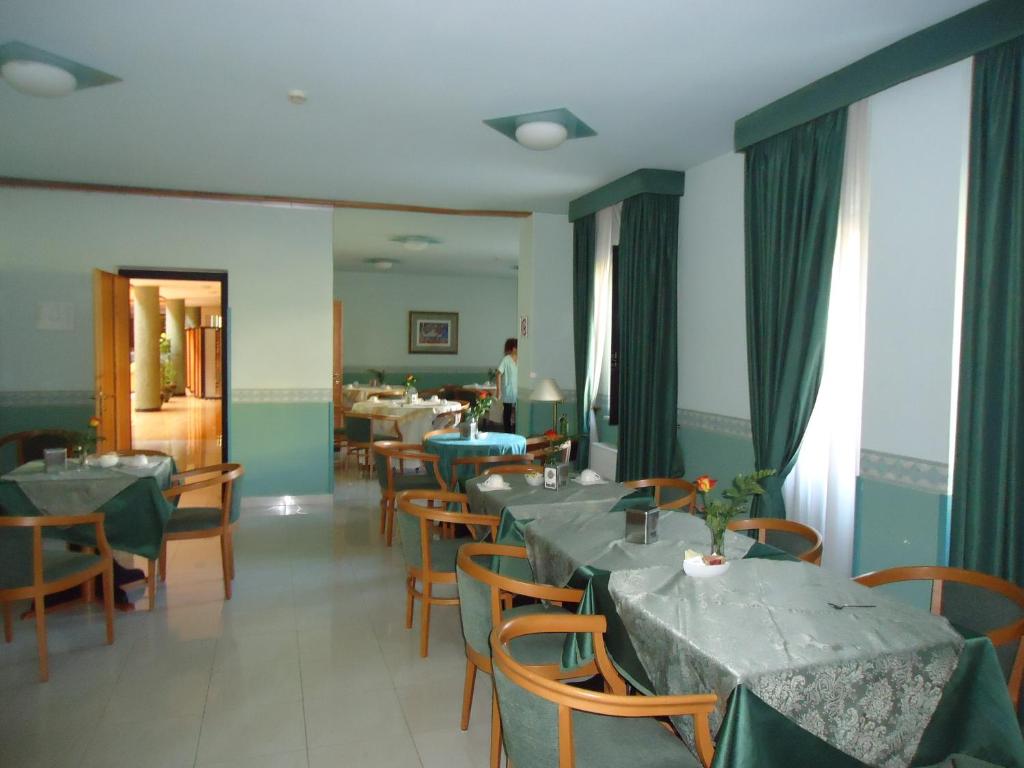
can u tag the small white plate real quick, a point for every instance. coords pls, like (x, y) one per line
(697, 568)
(581, 481)
(487, 488)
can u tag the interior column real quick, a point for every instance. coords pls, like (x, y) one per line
(175, 329)
(147, 348)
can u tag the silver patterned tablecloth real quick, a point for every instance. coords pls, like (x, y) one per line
(80, 490)
(525, 501)
(558, 545)
(865, 680)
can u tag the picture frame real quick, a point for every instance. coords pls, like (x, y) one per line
(433, 333)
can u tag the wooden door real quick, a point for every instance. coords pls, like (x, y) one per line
(112, 349)
(339, 350)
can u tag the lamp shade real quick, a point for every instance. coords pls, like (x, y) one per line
(36, 78)
(547, 391)
(541, 134)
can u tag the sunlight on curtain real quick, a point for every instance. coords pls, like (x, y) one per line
(598, 376)
(821, 489)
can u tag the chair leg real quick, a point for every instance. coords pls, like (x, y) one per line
(467, 694)
(410, 584)
(231, 553)
(383, 514)
(390, 527)
(163, 561)
(151, 567)
(108, 598)
(495, 731)
(8, 623)
(44, 660)
(225, 565)
(425, 620)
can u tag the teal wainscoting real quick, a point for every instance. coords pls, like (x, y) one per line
(284, 440)
(720, 446)
(902, 512)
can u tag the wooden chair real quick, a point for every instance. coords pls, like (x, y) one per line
(27, 571)
(485, 599)
(360, 439)
(546, 722)
(205, 522)
(480, 463)
(142, 452)
(765, 524)
(29, 445)
(687, 492)
(539, 447)
(515, 469)
(431, 560)
(442, 431)
(393, 480)
(1009, 636)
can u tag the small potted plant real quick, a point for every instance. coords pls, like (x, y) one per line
(410, 386)
(470, 426)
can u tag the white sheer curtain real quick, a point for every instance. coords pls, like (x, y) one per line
(600, 343)
(821, 489)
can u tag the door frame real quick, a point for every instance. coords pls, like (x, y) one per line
(209, 276)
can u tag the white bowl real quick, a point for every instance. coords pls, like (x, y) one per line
(696, 567)
(140, 460)
(534, 478)
(108, 460)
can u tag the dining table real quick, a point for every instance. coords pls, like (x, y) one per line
(452, 445)
(356, 393)
(810, 667)
(414, 419)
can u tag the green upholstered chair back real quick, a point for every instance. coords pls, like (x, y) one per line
(380, 464)
(360, 428)
(529, 724)
(236, 498)
(15, 557)
(978, 611)
(409, 536)
(475, 609)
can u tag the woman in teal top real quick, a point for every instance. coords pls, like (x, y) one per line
(508, 382)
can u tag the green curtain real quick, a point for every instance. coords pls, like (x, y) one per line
(584, 242)
(648, 245)
(988, 478)
(793, 182)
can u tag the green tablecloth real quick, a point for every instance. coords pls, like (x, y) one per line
(452, 445)
(134, 521)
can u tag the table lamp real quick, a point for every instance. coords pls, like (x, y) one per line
(547, 391)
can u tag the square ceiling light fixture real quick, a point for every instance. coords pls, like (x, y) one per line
(36, 72)
(542, 130)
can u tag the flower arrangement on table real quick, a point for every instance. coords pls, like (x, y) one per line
(480, 408)
(410, 381)
(735, 501)
(85, 443)
(556, 438)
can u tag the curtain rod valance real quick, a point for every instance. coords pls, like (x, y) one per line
(645, 180)
(937, 46)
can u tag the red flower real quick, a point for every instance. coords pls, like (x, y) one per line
(551, 435)
(705, 483)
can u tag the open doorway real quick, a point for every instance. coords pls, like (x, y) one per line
(178, 364)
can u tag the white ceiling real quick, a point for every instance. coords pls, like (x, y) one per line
(398, 89)
(196, 293)
(470, 245)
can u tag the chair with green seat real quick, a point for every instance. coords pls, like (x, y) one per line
(467, 467)
(205, 522)
(485, 598)
(30, 572)
(429, 556)
(547, 723)
(389, 459)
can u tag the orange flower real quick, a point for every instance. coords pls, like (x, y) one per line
(94, 422)
(551, 435)
(705, 483)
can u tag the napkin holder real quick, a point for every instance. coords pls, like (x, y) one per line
(642, 525)
(469, 430)
(556, 476)
(55, 460)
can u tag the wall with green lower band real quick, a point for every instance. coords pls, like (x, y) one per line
(281, 446)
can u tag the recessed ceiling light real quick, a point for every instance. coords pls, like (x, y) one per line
(382, 264)
(296, 96)
(415, 242)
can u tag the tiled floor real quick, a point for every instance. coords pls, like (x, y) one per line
(309, 664)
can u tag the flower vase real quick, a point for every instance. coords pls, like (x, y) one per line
(718, 542)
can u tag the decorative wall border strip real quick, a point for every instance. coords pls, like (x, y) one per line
(714, 422)
(34, 398)
(479, 370)
(919, 474)
(281, 395)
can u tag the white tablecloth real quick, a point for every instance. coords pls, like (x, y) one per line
(356, 393)
(414, 419)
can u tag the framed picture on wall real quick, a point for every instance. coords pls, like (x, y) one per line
(434, 333)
